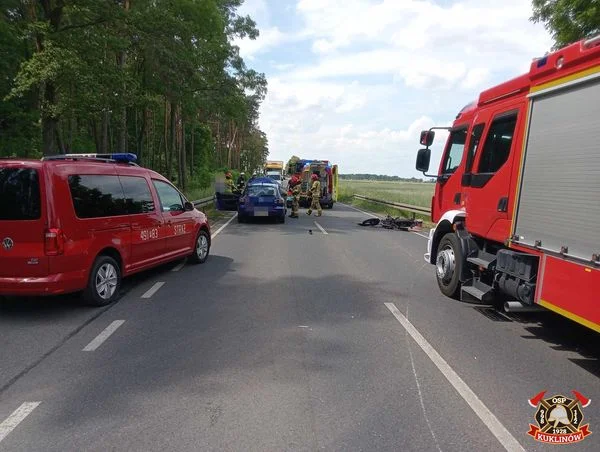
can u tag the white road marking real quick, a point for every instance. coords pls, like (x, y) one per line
(362, 211)
(224, 226)
(505, 438)
(153, 289)
(414, 369)
(379, 216)
(97, 342)
(16, 418)
(179, 267)
(321, 228)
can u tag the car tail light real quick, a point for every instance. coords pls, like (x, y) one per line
(54, 242)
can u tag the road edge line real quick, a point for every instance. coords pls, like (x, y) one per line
(179, 266)
(223, 227)
(506, 439)
(373, 214)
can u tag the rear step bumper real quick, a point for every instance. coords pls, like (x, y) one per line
(56, 284)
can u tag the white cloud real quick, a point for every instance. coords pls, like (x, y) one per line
(267, 39)
(475, 77)
(257, 9)
(382, 70)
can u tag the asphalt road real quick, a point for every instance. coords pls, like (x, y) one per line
(290, 337)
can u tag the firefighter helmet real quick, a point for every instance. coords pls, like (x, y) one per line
(559, 415)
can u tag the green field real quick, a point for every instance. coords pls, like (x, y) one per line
(414, 193)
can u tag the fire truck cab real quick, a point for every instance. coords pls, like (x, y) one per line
(517, 196)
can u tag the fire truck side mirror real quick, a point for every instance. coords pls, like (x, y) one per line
(423, 158)
(427, 137)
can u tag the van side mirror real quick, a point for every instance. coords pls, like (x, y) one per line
(188, 206)
(427, 138)
(423, 158)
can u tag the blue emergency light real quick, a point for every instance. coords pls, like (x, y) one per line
(124, 157)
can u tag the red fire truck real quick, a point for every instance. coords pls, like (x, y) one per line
(517, 197)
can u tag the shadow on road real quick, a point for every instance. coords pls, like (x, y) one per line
(34, 327)
(217, 334)
(565, 335)
(562, 334)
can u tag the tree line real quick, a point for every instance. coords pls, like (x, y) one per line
(159, 78)
(381, 177)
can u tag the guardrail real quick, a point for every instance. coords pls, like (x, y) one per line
(204, 202)
(397, 205)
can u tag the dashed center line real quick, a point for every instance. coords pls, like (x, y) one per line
(508, 441)
(321, 228)
(16, 418)
(422, 235)
(153, 289)
(97, 342)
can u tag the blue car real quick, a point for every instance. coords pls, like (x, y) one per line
(262, 197)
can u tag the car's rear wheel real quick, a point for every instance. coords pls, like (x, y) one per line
(201, 248)
(241, 218)
(281, 219)
(104, 282)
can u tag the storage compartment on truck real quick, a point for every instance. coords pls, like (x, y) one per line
(558, 208)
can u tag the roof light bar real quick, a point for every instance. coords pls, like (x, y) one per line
(118, 157)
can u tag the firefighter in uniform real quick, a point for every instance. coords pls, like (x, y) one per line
(315, 191)
(229, 187)
(294, 192)
(241, 181)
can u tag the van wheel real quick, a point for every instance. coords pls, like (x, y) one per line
(201, 249)
(448, 265)
(104, 283)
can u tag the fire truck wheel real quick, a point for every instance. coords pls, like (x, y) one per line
(448, 266)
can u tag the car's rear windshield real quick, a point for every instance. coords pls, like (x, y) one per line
(263, 190)
(19, 194)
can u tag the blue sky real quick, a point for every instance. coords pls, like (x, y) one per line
(354, 81)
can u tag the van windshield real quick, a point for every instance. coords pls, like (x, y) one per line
(20, 190)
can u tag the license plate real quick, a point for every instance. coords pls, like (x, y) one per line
(261, 212)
